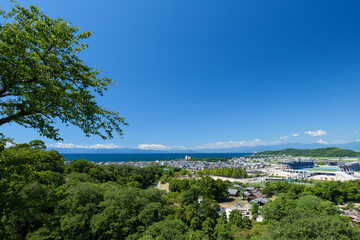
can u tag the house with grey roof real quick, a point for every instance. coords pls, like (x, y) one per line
(233, 192)
(354, 215)
(260, 201)
(245, 210)
(249, 196)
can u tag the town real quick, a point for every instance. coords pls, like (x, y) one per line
(284, 167)
(245, 192)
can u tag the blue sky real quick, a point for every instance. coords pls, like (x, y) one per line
(211, 74)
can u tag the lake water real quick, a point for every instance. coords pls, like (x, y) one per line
(124, 157)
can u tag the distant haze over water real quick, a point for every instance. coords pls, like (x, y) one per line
(125, 157)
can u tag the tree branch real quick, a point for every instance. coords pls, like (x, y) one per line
(14, 117)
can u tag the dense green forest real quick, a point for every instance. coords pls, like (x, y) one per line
(320, 152)
(42, 198)
(206, 187)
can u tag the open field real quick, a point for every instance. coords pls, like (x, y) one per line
(164, 186)
(232, 201)
(242, 180)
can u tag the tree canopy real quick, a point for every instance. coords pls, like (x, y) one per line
(311, 225)
(44, 81)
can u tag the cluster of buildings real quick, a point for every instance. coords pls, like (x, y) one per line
(248, 163)
(353, 214)
(252, 162)
(299, 163)
(200, 165)
(187, 163)
(306, 168)
(306, 163)
(134, 164)
(251, 195)
(194, 165)
(347, 167)
(278, 166)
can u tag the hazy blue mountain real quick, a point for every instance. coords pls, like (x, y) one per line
(355, 146)
(117, 150)
(352, 146)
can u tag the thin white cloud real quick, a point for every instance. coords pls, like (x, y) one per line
(230, 144)
(216, 145)
(152, 147)
(284, 138)
(63, 145)
(316, 133)
(94, 146)
(104, 146)
(322, 142)
(295, 134)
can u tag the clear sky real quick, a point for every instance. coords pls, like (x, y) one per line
(195, 74)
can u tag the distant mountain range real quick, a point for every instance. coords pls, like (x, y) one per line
(355, 146)
(318, 152)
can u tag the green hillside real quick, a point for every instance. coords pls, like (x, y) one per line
(320, 152)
